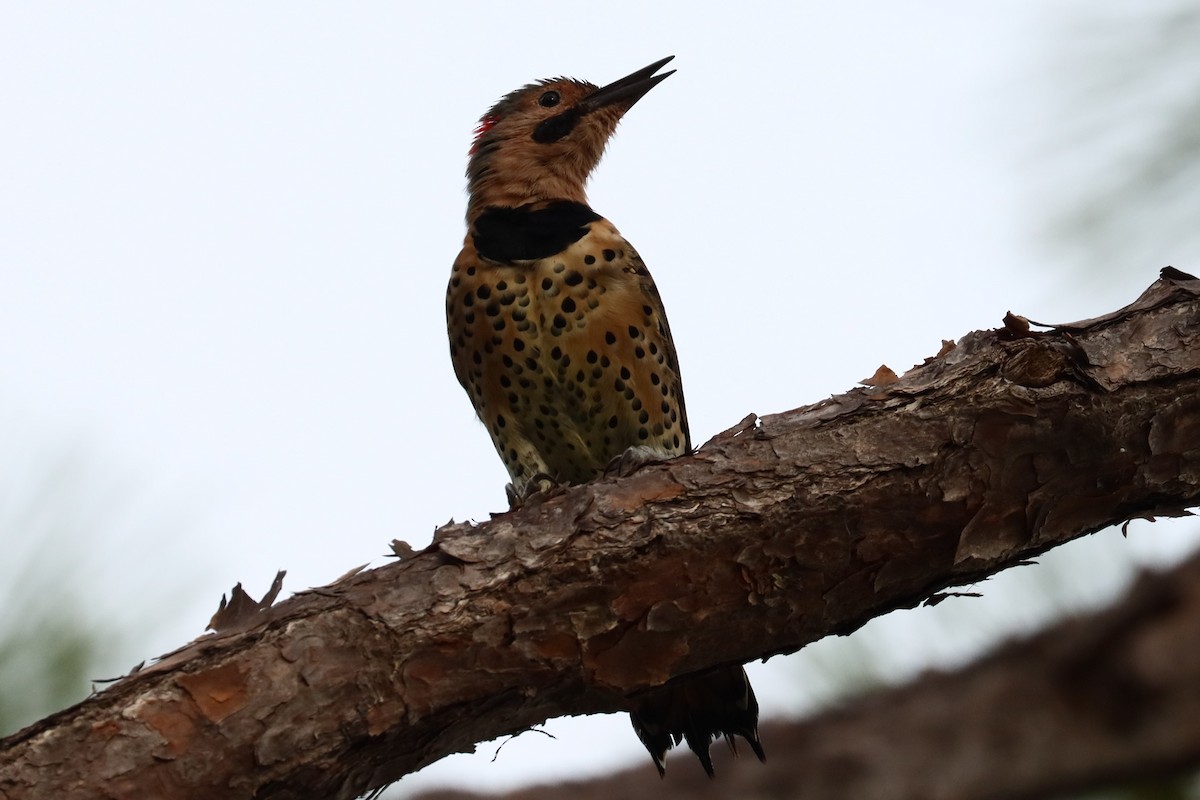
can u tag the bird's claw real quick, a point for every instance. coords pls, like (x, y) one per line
(539, 488)
(633, 459)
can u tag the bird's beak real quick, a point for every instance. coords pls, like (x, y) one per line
(627, 90)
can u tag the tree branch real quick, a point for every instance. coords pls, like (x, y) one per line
(1111, 697)
(771, 536)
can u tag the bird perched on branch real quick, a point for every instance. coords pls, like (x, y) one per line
(558, 334)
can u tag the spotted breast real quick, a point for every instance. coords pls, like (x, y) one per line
(567, 355)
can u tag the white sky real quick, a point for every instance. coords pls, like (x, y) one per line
(226, 229)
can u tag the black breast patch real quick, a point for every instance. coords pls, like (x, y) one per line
(530, 232)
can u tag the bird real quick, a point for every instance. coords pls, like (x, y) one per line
(560, 339)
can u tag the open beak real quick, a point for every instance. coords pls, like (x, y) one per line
(627, 90)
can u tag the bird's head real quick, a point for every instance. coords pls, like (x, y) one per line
(542, 141)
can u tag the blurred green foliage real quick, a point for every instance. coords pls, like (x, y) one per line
(1122, 136)
(64, 620)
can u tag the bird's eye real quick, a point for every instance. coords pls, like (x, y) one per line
(549, 99)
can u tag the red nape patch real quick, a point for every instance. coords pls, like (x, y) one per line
(483, 127)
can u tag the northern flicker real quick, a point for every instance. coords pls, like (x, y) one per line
(558, 335)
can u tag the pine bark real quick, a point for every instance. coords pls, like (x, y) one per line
(774, 534)
(1105, 699)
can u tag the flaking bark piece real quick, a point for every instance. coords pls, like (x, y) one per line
(402, 549)
(884, 376)
(241, 610)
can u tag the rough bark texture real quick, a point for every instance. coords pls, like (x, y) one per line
(771, 536)
(1112, 697)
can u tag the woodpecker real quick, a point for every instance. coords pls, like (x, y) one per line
(559, 337)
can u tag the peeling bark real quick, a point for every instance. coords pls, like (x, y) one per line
(1108, 698)
(774, 534)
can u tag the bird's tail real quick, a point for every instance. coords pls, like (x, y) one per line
(698, 710)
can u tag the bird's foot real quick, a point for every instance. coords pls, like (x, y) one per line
(633, 459)
(539, 488)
